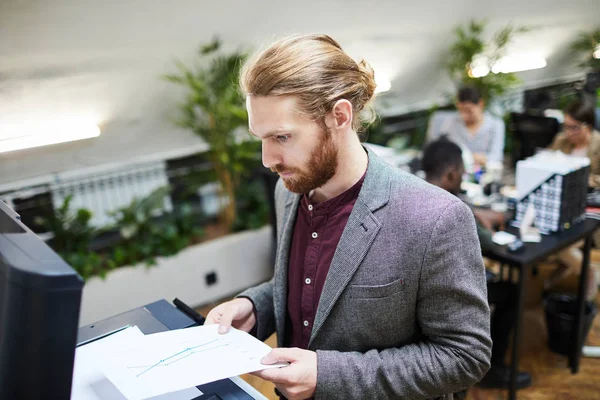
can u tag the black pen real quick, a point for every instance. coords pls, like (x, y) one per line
(187, 310)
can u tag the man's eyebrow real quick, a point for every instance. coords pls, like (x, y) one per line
(272, 133)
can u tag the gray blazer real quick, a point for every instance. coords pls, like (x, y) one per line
(403, 313)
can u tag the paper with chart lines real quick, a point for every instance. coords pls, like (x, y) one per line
(168, 361)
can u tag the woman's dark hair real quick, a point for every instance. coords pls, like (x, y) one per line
(582, 110)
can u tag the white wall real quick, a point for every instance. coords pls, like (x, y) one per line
(240, 261)
(84, 57)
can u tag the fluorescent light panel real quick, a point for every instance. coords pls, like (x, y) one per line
(518, 64)
(25, 135)
(383, 84)
(480, 66)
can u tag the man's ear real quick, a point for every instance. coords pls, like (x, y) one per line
(451, 176)
(341, 115)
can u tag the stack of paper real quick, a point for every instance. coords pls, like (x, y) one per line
(131, 365)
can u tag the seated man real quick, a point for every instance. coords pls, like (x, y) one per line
(443, 166)
(471, 127)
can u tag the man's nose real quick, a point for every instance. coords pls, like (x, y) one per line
(270, 158)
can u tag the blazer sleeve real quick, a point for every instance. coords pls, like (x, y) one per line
(261, 297)
(453, 314)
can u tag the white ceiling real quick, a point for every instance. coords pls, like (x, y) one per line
(105, 58)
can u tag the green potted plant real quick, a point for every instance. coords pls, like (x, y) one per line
(72, 234)
(470, 58)
(214, 109)
(587, 45)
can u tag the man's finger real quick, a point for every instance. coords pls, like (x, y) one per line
(225, 320)
(212, 318)
(275, 375)
(281, 355)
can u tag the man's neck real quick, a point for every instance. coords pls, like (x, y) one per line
(474, 125)
(352, 164)
(438, 183)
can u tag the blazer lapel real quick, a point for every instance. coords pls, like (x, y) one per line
(281, 264)
(358, 236)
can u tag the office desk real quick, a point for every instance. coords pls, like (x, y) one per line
(161, 316)
(533, 253)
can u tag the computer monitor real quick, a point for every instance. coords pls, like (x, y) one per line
(531, 132)
(40, 296)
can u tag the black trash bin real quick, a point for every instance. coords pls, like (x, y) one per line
(560, 313)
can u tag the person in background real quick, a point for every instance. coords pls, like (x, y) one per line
(443, 166)
(379, 286)
(471, 127)
(579, 138)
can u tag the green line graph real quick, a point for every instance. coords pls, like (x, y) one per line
(172, 359)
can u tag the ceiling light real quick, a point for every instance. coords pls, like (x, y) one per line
(479, 71)
(479, 67)
(516, 64)
(26, 134)
(383, 83)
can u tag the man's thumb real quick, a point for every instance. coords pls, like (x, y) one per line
(225, 322)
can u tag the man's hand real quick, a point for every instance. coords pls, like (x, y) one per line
(480, 158)
(238, 313)
(490, 218)
(296, 381)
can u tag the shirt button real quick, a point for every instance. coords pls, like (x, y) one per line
(314, 235)
(305, 323)
(307, 281)
(310, 207)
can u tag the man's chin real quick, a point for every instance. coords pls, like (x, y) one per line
(294, 187)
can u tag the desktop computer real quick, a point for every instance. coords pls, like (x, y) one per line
(40, 296)
(531, 132)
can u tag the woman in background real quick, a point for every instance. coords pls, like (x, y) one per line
(471, 127)
(579, 138)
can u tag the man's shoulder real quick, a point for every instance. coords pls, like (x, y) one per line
(494, 120)
(444, 116)
(410, 191)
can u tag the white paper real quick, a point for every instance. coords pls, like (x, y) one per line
(90, 383)
(527, 231)
(169, 361)
(503, 238)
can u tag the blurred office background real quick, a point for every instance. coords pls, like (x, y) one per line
(92, 156)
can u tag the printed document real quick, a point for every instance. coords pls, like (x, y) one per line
(165, 362)
(90, 383)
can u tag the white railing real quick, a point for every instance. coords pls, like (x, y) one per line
(108, 191)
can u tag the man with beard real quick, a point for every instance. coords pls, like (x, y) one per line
(379, 285)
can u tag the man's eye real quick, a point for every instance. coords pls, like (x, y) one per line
(282, 138)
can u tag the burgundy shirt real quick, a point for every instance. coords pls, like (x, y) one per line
(316, 235)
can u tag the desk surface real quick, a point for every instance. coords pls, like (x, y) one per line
(550, 244)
